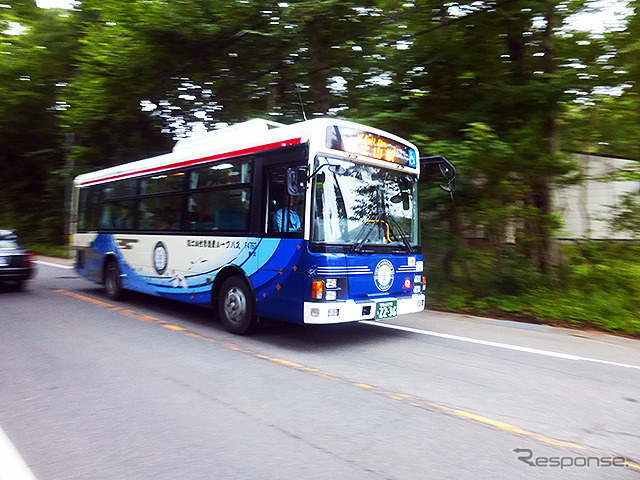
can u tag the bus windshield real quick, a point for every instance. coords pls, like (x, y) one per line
(360, 205)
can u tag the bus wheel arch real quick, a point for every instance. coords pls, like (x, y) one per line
(233, 300)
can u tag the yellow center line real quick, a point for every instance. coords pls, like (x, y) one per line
(630, 464)
(363, 385)
(175, 328)
(85, 299)
(402, 397)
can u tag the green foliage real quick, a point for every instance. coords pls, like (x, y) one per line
(627, 215)
(600, 288)
(32, 141)
(49, 250)
(608, 127)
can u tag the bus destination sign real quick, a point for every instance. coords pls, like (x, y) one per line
(370, 144)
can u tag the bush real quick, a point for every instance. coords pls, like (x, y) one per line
(599, 287)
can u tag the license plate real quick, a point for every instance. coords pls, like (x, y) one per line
(386, 309)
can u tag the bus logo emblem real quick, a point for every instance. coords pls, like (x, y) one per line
(383, 275)
(160, 258)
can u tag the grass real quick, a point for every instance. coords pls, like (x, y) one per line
(49, 250)
(598, 286)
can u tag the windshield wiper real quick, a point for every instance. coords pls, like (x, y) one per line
(383, 217)
(372, 224)
(403, 235)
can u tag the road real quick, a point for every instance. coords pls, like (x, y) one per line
(150, 389)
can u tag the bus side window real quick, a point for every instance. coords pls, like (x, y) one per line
(160, 213)
(89, 209)
(124, 215)
(284, 211)
(224, 210)
(232, 213)
(106, 218)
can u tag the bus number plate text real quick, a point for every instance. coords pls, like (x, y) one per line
(388, 309)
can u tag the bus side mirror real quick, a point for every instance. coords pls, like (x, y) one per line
(447, 170)
(402, 197)
(296, 180)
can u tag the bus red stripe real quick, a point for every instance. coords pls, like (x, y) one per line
(189, 163)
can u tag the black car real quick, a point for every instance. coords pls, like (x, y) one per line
(16, 263)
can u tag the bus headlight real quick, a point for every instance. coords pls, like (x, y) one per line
(331, 294)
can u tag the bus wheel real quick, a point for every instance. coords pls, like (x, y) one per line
(235, 307)
(113, 281)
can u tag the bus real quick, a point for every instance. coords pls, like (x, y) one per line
(314, 223)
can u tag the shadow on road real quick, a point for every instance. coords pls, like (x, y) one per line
(12, 287)
(275, 333)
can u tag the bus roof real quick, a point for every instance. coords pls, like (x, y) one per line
(236, 140)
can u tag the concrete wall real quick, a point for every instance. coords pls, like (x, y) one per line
(585, 207)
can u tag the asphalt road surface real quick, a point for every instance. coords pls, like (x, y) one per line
(150, 389)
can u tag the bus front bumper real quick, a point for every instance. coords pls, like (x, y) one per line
(324, 313)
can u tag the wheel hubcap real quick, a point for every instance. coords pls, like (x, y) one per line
(235, 305)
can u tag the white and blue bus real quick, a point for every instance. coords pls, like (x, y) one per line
(315, 222)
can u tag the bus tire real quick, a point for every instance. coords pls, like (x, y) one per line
(113, 281)
(236, 306)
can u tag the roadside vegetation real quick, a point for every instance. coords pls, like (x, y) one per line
(597, 286)
(49, 249)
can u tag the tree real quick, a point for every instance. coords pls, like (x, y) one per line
(606, 115)
(498, 64)
(36, 66)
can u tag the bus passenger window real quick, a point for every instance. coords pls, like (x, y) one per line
(224, 210)
(89, 209)
(160, 213)
(166, 182)
(220, 174)
(123, 218)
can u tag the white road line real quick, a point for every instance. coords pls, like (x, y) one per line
(12, 466)
(55, 265)
(506, 346)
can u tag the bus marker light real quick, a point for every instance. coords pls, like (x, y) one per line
(317, 289)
